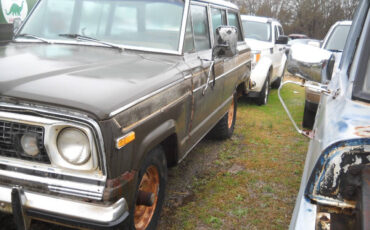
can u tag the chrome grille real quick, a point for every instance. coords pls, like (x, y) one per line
(10, 135)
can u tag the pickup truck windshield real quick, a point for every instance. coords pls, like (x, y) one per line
(257, 30)
(131, 23)
(338, 38)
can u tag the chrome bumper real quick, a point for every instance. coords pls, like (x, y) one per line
(66, 208)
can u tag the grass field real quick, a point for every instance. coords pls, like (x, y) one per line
(247, 182)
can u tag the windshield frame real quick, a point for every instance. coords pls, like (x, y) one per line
(139, 48)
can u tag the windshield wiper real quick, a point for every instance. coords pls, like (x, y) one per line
(90, 39)
(35, 37)
(335, 50)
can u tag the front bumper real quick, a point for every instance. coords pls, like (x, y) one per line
(65, 211)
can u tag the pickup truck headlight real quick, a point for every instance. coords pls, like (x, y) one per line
(74, 146)
(256, 57)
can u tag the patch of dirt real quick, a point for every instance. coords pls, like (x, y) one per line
(180, 178)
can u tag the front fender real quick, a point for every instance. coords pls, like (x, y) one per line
(260, 73)
(282, 65)
(152, 139)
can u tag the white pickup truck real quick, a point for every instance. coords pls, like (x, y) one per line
(266, 38)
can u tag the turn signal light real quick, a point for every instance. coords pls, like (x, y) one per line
(122, 141)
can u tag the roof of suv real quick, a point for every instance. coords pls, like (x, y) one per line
(258, 19)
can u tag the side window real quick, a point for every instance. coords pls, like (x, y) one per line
(189, 39)
(276, 33)
(200, 27)
(234, 21)
(218, 19)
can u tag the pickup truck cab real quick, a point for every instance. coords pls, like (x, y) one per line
(266, 38)
(98, 98)
(334, 191)
(334, 42)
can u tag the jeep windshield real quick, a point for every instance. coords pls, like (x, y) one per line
(338, 38)
(136, 24)
(257, 30)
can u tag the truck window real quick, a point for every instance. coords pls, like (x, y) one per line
(189, 38)
(200, 27)
(234, 21)
(218, 19)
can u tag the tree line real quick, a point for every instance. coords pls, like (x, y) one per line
(310, 17)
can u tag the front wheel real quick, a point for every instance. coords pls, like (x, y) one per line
(225, 127)
(150, 191)
(264, 94)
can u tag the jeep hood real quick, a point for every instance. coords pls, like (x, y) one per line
(97, 80)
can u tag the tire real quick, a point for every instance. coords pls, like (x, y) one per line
(152, 178)
(224, 129)
(262, 99)
(276, 84)
(309, 115)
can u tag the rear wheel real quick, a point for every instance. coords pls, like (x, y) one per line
(225, 127)
(150, 191)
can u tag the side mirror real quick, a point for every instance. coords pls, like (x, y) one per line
(6, 32)
(314, 43)
(307, 62)
(282, 40)
(225, 42)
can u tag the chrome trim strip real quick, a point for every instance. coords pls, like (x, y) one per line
(99, 213)
(117, 111)
(188, 77)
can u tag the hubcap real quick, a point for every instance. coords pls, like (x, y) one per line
(149, 183)
(230, 117)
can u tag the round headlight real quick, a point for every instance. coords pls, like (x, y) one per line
(29, 144)
(74, 146)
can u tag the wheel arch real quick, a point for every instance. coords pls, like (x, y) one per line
(163, 135)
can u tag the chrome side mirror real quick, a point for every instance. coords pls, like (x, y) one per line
(321, 88)
(307, 62)
(225, 42)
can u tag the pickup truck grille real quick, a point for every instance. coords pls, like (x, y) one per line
(10, 136)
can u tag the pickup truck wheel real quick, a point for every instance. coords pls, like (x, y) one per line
(225, 127)
(264, 94)
(150, 191)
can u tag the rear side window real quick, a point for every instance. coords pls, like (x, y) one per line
(234, 21)
(200, 27)
(218, 19)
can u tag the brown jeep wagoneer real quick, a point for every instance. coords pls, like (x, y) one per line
(99, 97)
